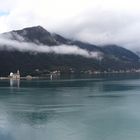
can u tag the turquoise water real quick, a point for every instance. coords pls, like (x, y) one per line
(85, 108)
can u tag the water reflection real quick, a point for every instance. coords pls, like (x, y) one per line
(14, 82)
(70, 109)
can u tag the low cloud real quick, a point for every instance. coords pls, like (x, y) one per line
(98, 22)
(11, 45)
(93, 21)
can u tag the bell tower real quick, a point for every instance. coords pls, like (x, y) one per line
(18, 74)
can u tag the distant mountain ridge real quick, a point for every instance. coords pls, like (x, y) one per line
(114, 57)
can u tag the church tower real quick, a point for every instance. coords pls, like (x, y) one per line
(18, 74)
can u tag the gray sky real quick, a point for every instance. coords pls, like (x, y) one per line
(94, 21)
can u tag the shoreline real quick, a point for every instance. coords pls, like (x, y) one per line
(49, 77)
(21, 78)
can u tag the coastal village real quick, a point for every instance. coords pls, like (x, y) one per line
(17, 76)
(56, 73)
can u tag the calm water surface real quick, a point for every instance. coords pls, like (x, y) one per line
(89, 108)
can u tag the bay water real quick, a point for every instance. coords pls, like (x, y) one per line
(105, 107)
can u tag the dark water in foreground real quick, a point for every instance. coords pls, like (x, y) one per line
(101, 108)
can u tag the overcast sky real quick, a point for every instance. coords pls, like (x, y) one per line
(94, 21)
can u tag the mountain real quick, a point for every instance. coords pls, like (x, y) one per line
(113, 57)
(120, 52)
(34, 34)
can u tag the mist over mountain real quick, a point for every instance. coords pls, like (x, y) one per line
(35, 48)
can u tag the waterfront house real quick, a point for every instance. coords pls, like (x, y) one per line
(15, 75)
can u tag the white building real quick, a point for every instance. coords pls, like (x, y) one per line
(15, 75)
